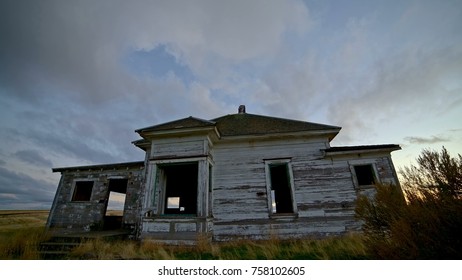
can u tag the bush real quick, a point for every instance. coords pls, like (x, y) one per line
(422, 222)
(436, 174)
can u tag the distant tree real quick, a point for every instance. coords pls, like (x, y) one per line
(422, 220)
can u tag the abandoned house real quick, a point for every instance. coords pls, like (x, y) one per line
(237, 176)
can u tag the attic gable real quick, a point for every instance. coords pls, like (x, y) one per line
(189, 122)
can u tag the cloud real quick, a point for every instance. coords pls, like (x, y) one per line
(33, 157)
(426, 140)
(78, 47)
(25, 192)
(407, 83)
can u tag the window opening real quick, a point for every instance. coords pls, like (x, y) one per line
(117, 190)
(281, 196)
(181, 188)
(82, 191)
(365, 174)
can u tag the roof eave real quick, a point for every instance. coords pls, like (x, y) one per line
(142, 144)
(362, 150)
(100, 166)
(312, 133)
(178, 132)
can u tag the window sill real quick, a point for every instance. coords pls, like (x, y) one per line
(365, 187)
(284, 215)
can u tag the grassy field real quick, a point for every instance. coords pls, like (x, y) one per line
(22, 231)
(11, 220)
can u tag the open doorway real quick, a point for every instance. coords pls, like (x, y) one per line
(181, 189)
(113, 216)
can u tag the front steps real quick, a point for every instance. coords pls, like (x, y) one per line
(60, 245)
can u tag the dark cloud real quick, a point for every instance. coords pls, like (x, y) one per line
(426, 140)
(80, 146)
(18, 189)
(78, 48)
(33, 157)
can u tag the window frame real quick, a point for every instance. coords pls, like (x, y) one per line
(269, 189)
(75, 188)
(162, 184)
(374, 171)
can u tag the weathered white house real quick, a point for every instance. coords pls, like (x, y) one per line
(236, 176)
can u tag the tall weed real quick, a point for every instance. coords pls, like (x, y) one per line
(22, 244)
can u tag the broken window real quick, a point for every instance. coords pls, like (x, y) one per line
(82, 191)
(281, 188)
(365, 174)
(116, 197)
(181, 188)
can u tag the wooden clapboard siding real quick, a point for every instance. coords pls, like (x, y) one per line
(323, 189)
(179, 148)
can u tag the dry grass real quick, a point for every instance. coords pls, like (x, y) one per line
(22, 243)
(20, 233)
(11, 220)
(345, 247)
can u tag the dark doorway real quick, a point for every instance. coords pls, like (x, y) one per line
(113, 218)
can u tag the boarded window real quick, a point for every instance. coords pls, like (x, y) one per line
(281, 191)
(82, 191)
(365, 174)
(181, 188)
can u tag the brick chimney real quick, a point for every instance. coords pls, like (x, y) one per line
(241, 109)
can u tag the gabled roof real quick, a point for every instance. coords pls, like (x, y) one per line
(250, 124)
(189, 122)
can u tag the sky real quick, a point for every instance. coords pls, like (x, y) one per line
(77, 78)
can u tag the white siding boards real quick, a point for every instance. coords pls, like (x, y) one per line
(238, 176)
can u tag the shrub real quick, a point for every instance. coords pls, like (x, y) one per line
(422, 222)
